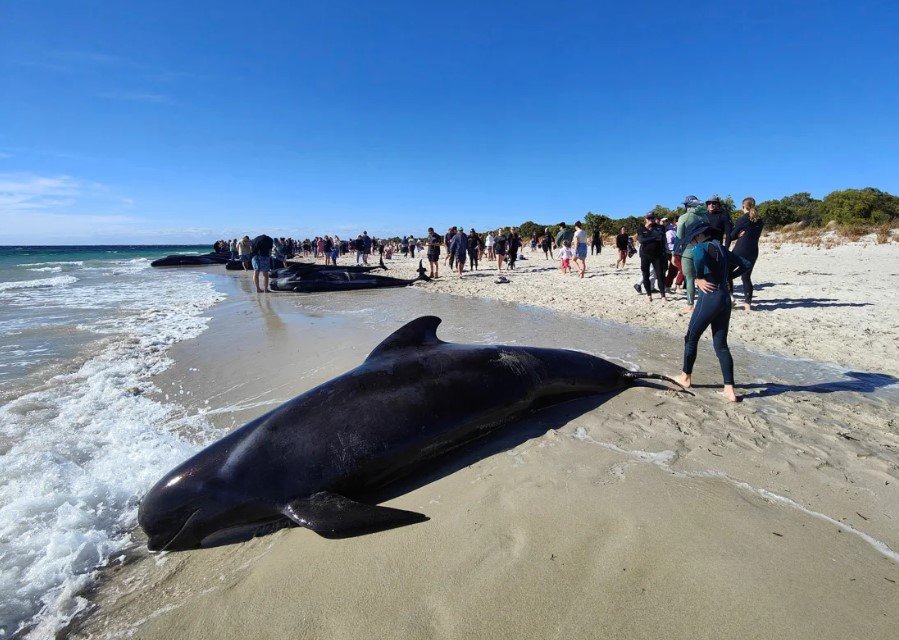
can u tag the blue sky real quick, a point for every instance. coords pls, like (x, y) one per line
(188, 121)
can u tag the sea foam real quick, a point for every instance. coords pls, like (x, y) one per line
(41, 282)
(77, 453)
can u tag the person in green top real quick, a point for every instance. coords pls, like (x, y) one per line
(695, 210)
(564, 234)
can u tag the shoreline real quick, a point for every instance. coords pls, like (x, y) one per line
(832, 305)
(557, 507)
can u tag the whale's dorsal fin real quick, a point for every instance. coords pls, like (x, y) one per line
(335, 516)
(421, 331)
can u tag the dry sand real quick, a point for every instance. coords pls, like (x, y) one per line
(645, 514)
(836, 305)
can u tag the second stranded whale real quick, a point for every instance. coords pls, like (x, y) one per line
(413, 399)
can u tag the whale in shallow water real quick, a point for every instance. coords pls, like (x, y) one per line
(181, 260)
(308, 461)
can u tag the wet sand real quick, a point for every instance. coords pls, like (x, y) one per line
(828, 305)
(637, 515)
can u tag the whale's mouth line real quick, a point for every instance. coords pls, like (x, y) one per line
(180, 530)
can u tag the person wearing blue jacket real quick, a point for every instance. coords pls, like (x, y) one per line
(714, 266)
(746, 234)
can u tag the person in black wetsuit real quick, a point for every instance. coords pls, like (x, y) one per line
(596, 242)
(514, 248)
(500, 244)
(652, 254)
(715, 265)
(474, 249)
(719, 220)
(746, 234)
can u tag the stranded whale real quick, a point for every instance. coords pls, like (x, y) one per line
(307, 461)
(340, 280)
(180, 260)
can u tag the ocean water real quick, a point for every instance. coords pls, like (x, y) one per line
(82, 331)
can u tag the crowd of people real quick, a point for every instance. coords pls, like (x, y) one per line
(701, 251)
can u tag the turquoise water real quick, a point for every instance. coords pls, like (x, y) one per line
(83, 330)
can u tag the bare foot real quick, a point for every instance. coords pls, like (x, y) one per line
(664, 299)
(684, 380)
(746, 307)
(688, 309)
(728, 393)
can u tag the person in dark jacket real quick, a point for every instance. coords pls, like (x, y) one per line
(433, 243)
(715, 265)
(719, 221)
(514, 248)
(746, 234)
(652, 254)
(596, 242)
(459, 249)
(474, 249)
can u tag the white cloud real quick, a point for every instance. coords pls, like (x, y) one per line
(58, 208)
(137, 96)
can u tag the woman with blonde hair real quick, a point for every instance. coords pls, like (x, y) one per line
(746, 233)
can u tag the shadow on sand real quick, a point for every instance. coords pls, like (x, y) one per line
(858, 382)
(796, 303)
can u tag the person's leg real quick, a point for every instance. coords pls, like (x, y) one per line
(689, 280)
(265, 281)
(256, 280)
(645, 263)
(699, 322)
(720, 325)
(747, 287)
(659, 265)
(672, 272)
(680, 271)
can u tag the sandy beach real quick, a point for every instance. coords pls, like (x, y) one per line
(642, 514)
(829, 305)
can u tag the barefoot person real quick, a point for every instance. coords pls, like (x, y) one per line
(692, 213)
(714, 266)
(459, 249)
(474, 249)
(499, 249)
(580, 248)
(652, 254)
(547, 244)
(621, 242)
(434, 242)
(262, 261)
(747, 232)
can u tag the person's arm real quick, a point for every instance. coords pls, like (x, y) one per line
(728, 227)
(700, 256)
(738, 265)
(739, 228)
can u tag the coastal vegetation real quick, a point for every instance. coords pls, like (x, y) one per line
(851, 212)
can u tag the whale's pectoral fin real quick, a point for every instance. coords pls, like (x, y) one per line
(335, 516)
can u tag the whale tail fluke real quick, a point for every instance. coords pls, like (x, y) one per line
(643, 375)
(332, 515)
(382, 265)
